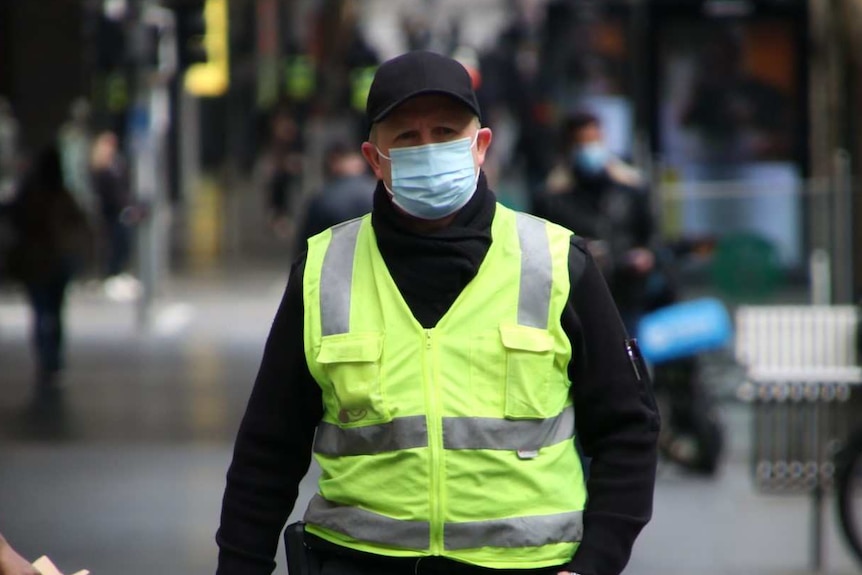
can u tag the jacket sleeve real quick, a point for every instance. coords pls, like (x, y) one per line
(617, 421)
(273, 447)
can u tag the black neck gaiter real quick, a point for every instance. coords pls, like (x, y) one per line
(430, 269)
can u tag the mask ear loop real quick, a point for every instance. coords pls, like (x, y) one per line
(478, 168)
(382, 155)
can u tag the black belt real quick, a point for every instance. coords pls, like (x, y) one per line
(373, 564)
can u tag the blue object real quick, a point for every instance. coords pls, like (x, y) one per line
(684, 329)
(592, 158)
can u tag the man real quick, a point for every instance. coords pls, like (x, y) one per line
(346, 193)
(285, 171)
(600, 198)
(442, 349)
(109, 180)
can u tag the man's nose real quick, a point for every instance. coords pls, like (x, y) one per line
(425, 137)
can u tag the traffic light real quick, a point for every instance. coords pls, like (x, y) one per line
(202, 37)
(191, 29)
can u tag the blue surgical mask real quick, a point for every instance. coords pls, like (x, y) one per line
(433, 181)
(591, 158)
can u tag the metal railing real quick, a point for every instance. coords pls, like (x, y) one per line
(802, 367)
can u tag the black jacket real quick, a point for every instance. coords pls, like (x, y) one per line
(617, 422)
(342, 198)
(615, 211)
(111, 186)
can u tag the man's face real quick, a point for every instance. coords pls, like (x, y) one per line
(589, 134)
(426, 119)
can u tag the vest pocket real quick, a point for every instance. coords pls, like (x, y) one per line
(351, 361)
(529, 361)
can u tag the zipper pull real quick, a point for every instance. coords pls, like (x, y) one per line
(634, 354)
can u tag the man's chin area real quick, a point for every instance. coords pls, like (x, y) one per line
(422, 224)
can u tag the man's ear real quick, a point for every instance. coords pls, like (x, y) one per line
(483, 141)
(372, 156)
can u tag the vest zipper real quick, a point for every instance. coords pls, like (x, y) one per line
(435, 446)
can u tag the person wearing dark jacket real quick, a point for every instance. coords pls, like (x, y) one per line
(602, 199)
(120, 214)
(346, 193)
(52, 240)
(439, 357)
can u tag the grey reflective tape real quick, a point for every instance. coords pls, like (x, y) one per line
(336, 278)
(398, 434)
(367, 526)
(534, 298)
(515, 532)
(507, 434)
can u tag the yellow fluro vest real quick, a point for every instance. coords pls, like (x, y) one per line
(453, 441)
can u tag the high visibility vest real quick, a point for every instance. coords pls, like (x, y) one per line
(299, 78)
(457, 440)
(360, 86)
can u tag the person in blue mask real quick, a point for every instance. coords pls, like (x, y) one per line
(602, 199)
(439, 358)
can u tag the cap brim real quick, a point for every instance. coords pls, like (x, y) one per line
(389, 109)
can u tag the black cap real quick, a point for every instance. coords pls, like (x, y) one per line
(415, 73)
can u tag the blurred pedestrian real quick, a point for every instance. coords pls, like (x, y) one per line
(346, 62)
(9, 153)
(438, 357)
(346, 193)
(599, 197)
(76, 140)
(517, 90)
(119, 215)
(11, 563)
(51, 242)
(284, 170)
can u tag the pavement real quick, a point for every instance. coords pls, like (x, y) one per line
(123, 472)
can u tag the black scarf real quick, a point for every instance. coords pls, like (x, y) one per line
(430, 269)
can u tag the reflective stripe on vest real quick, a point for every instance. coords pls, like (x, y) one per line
(336, 276)
(534, 299)
(516, 532)
(398, 434)
(458, 433)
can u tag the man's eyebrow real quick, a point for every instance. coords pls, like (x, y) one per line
(449, 115)
(397, 124)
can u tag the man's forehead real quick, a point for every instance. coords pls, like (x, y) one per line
(433, 105)
(588, 132)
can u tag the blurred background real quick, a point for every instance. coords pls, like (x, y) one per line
(193, 141)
